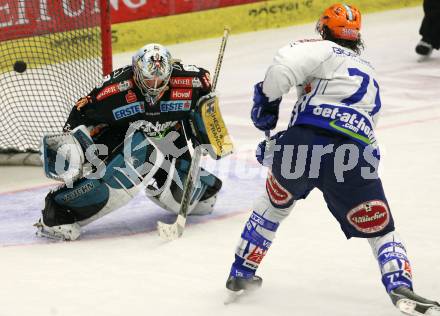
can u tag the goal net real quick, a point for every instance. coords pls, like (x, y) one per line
(52, 52)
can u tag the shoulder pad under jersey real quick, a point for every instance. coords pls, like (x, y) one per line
(117, 75)
(118, 81)
(189, 76)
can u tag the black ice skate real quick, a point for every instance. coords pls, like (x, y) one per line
(58, 232)
(238, 286)
(424, 49)
(410, 303)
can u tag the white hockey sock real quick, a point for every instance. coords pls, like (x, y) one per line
(393, 261)
(257, 236)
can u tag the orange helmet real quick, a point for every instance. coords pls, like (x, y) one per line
(344, 21)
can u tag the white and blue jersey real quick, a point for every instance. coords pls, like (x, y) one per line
(337, 89)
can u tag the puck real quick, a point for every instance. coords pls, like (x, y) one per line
(20, 66)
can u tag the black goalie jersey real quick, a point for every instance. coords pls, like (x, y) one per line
(117, 102)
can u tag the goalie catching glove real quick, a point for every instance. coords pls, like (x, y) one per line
(63, 155)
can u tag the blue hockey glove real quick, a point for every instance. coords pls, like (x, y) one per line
(264, 114)
(265, 150)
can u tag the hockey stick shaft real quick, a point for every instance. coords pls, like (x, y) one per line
(220, 57)
(195, 162)
(267, 134)
(174, 231)
(192, 174)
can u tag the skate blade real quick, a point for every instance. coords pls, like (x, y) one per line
(42, 233)
(407, 307)
(433, 311)
(49, 236)
(422, 59)
(233, 296)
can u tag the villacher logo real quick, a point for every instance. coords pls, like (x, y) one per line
(369, 217)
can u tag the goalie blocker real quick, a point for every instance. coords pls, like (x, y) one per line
(209, 128)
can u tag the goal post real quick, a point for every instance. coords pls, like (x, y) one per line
(52, 52)
(106, 37)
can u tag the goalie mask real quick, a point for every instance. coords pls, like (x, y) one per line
(152, 68)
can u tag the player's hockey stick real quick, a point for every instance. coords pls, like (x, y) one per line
(267, 134)
(175, 230)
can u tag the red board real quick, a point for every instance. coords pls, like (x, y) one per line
(25, 18)
(20, 18)
(129, 10)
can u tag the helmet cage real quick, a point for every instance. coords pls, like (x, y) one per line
(152, 68)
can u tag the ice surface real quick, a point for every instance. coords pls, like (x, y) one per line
(121, 267)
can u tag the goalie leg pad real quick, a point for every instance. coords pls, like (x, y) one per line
(203, 198)
(90, 199)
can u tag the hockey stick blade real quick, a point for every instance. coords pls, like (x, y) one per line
(175, 230)
(172, 231)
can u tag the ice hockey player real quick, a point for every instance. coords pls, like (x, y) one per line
(430, 28)
(143, 114)
(338, 105)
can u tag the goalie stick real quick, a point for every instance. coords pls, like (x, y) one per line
(175, 230)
